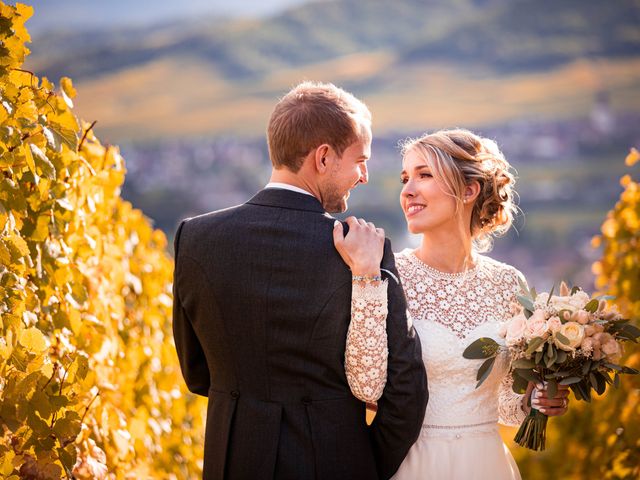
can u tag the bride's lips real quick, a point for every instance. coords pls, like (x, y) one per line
(414, 208)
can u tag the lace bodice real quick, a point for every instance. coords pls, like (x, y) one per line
(449, 311)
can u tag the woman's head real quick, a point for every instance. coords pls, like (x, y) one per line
(455, 177)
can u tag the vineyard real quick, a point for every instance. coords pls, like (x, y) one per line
(90, 386)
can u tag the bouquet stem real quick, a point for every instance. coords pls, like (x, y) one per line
(533, 431)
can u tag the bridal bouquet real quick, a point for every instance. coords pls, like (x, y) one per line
(566, 339)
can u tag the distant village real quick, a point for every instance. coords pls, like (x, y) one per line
(569, 165)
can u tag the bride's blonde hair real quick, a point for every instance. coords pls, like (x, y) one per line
(458, 157)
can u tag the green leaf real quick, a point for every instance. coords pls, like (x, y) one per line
(570, 380)
(527, 313)
(564, 340)
(520, 384)
(481, 348)
(616, 381)
(574, 290)
(552, 388)
(526, 302)
(523, 363)
(561, 356)
(592, 306)
(553, 287)
(630, 371)
(539, 357)
(586, 367)
(524, 287)
(534, 344)
(613, 366)
(484, 370)
(528, 375)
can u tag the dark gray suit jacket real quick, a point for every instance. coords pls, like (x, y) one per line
(261, 310)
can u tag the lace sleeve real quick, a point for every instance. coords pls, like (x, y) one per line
(510, 412)
(366, 352)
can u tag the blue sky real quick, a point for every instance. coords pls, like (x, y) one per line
(88, 14)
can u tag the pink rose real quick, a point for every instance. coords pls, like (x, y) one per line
(515, 330)
(554, 324)
(593, 328)
(581, 316)
(612, 350)
(536, 326)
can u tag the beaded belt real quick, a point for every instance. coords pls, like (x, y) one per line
(454, 427)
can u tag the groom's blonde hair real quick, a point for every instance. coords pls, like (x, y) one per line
(310, 115)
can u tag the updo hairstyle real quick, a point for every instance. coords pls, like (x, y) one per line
(458, 157)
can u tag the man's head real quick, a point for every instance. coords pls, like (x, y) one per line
(322, 134)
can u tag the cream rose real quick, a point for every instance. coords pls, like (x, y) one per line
(515, 330)
(574, 332)
(536, 326)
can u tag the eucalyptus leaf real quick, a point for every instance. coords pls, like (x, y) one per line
(592, 306)
(570, 380)
(528, 375)
(534, 344)
(485, 370)
(552, 388)
(526, 302)
(553, 287)
(523, 363)
(484, 347)
(564, 340)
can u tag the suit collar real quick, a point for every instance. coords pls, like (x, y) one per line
(278, 197)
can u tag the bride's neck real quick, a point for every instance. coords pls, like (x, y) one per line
(446, 253)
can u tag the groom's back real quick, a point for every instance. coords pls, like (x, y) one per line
(267, 298)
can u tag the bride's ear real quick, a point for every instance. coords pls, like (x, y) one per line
(471, 191)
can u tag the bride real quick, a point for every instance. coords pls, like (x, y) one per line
(457, 193)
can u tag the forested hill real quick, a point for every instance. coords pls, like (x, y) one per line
(504, 34)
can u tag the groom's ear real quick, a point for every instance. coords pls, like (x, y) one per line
(322, 158)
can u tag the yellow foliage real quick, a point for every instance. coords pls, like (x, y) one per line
(89, 381)
(602, 439)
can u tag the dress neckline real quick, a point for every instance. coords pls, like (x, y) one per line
(434, 272)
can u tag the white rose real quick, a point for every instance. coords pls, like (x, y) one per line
(574, 332)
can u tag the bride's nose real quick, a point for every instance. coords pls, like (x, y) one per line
(407, 189)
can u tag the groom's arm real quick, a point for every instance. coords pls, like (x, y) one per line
(190, 354)
(401, 408)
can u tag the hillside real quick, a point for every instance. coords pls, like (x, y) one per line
(418, 63)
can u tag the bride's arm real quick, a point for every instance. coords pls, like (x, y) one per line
(366, 349)
(366, 352)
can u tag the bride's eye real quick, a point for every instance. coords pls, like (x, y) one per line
(426, 175)
(403, 180)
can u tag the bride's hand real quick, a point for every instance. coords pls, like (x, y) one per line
(362, 247)
(552, 407)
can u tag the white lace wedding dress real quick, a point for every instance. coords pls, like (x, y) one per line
(459, 438)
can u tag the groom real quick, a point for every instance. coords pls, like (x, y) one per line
(262, 305)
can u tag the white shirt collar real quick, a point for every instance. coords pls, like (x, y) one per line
(286, 186)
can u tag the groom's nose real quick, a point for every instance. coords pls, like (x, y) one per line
(364, 174)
